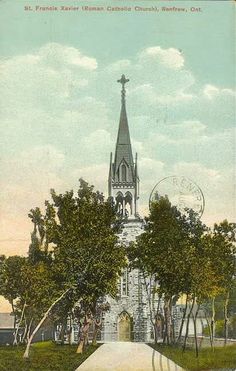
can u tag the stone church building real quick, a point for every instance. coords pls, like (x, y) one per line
(128, 318)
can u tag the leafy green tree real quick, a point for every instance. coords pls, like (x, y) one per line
(77, 234)
(161, 252)
(223, 257)
(12, 287)
(215, 273)
(168, 250)
(85, 245)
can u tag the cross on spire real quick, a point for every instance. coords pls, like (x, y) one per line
(123, 81)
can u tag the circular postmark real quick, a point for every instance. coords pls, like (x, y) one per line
(181, 192)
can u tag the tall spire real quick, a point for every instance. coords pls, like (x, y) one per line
(123, 178)
(123, 144)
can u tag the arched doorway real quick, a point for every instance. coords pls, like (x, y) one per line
(124, 327)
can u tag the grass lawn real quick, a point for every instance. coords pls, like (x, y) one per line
(43, 357)
(222, 357)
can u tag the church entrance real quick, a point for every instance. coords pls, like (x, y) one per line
(124, 327)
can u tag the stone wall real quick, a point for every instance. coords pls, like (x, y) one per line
(135, 303)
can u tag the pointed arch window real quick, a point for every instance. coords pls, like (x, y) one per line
(123, 173)
(124, 283)
(119, 202)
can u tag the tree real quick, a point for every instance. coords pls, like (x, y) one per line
(12, 287)
(78, 232)
(221, 248)
(86, 245)
(162, 252)
(213, 272)
(167, 252)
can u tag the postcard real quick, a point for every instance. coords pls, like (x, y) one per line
(134, 97)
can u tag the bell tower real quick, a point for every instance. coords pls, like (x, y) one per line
(128, 318)
(123, 180)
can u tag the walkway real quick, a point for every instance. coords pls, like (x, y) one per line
(126, 356)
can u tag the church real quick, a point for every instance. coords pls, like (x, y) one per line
(129, 317)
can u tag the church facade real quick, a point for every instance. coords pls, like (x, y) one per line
(129, 316)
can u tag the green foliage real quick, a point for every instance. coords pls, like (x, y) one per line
(40, 289)
(46, 356)
(219, 255)
(168, 247)
(74, 250)
(82, 229)
(221, 358)
(10, 277)
(28, 287)
(185, 257)
(232, 327)
(220, 330)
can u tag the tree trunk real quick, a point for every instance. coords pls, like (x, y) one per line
(80, 346)
(148, 287)
(94, 341)
(70, 330)
(25, 331)
(195, 329)
(14, 314)
(15, 342)
(97, 326)
(155, 333)
(213, 322)
(26, 353)
(167, 325)
(187, 325)
(84, 335)
(164, 328)
(226, 319)
(29, 330)
(172, 324)
(209, 327)
(182, 321)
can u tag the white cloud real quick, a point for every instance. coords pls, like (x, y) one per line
(56, 54)
(178, 97)
(27, 179)
(43, 80)
(217, 186)
(96, 175)
(119, 65)
(211, 91)
(157, 77)
(196, 169)
(187, 130)
(97, 145)
(170, 58)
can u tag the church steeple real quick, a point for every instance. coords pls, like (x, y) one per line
(123, 178)
(123, 151)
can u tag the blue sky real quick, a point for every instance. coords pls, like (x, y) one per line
(60, 102)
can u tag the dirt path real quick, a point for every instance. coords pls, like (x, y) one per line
(127, 356)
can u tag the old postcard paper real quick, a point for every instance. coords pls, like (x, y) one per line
(69, 69)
